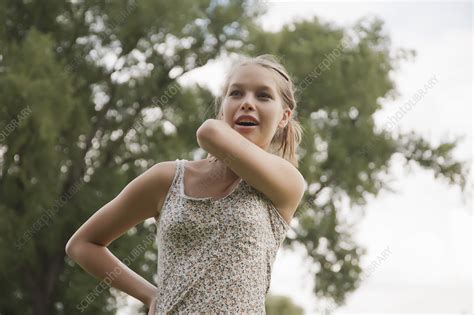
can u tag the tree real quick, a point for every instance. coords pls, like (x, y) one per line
(281, 305)
(90, 98)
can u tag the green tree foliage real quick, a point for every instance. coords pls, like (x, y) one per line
(281, 305)
(90, 98)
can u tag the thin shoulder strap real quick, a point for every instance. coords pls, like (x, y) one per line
(179, 171)
(177, 178)
(176, 183)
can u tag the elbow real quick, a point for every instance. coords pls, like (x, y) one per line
(69, 249)
(205, 132)
(72, 248)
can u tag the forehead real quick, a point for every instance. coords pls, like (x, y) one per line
(253, 77)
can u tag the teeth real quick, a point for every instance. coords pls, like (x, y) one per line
(247, 121)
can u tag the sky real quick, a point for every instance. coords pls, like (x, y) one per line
(424, 230)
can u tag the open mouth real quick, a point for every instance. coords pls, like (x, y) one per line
(245, 126)
(247, 123)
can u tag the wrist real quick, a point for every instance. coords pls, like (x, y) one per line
(149, 297)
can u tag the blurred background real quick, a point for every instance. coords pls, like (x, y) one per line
(93, 93)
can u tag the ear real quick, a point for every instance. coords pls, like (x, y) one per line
(286, 116)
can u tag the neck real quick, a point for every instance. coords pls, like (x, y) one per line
(218, 167)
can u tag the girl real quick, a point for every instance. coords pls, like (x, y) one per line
(220, 220)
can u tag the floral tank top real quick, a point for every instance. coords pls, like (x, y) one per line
(216, 256)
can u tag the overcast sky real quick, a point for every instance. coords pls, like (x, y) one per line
(425, 226)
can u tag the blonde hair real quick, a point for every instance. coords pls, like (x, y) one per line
(286, 140)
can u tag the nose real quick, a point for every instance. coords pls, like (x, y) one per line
(247, 104)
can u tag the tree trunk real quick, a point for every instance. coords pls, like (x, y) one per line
(42, 289)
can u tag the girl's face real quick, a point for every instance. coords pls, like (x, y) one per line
(253, 91)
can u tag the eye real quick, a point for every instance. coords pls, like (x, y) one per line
(233, 92)
(264, 95)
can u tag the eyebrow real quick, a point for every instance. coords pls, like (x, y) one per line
(260, 87)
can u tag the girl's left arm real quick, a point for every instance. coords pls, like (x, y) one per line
(272, 175)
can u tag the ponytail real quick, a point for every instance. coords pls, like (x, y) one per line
(286, 140)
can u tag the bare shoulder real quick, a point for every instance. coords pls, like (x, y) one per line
(137, 202)
(165, 170)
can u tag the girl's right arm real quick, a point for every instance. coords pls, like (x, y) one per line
(139, 200)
